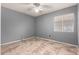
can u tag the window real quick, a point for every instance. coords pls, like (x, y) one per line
(64, 23)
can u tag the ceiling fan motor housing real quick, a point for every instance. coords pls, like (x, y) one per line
(36, 4)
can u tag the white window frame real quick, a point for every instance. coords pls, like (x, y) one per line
(61, 19)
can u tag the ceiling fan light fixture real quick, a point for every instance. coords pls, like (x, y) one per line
(36, 10)
(37, 7)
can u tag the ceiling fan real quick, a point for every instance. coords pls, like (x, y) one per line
(37, 7)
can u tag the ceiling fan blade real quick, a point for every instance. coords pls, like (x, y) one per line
(46, 6)
(30, 8)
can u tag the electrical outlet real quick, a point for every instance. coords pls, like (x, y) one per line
(49, 35)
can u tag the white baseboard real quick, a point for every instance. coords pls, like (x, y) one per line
(58, 41)
(37, 38)
(16, 41)
(10, 42)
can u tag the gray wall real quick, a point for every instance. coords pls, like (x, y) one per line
(44, 26)
(78, 24)
(0, 22)
(15, 25)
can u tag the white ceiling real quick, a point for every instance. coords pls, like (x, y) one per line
(22, 7)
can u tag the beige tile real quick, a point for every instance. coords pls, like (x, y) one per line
(40, 46)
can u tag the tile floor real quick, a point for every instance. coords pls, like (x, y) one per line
(39, 46)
